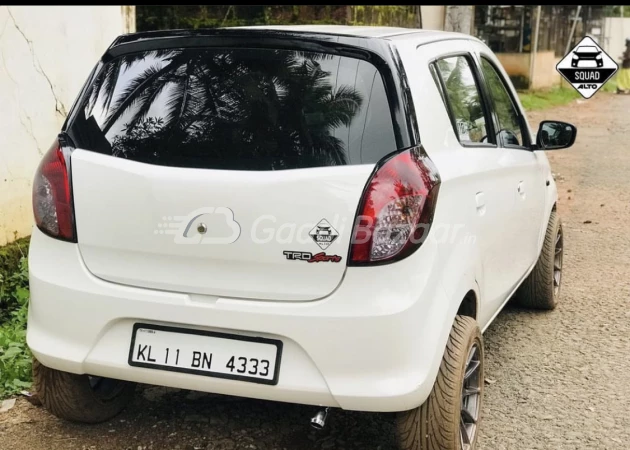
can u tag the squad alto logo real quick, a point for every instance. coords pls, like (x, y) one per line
(587, 67)
(324, 234)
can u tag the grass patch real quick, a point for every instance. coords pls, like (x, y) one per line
(558, 96)
(611, 85)
(15, 357)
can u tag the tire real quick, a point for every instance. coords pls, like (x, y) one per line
(541, 288)
(436, 425)
(80, 398)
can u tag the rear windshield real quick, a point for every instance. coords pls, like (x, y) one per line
(236, 108)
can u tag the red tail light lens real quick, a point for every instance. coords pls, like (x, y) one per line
(396, 210)
(52, 195)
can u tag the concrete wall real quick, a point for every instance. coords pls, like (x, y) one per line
(616, 31)
(46, 54)
(432, 17)
(459, 18)
(545, 73)
(517, 65)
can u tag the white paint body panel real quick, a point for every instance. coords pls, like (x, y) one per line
(275, 211)
(360, 338)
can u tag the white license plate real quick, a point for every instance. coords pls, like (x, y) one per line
(221, 355)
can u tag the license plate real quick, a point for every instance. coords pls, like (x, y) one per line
(220, 355)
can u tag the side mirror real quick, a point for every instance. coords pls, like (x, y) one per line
(554, 135)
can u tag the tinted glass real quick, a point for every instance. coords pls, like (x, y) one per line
(463, 99)
(245, 109)
(509, 124)
(554, 135)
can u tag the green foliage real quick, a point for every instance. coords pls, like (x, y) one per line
(212, 16)
(13, 276)
(14, 288)
(615, 11)
(15, 358)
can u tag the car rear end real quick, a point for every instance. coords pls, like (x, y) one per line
(238, 212)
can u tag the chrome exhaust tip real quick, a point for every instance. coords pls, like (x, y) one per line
(318, 421)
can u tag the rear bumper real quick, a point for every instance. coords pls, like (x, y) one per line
(374, 344)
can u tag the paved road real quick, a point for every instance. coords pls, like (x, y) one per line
(558, 380)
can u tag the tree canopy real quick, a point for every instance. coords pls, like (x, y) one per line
(211, 16)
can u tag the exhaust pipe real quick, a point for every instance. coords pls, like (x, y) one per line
(318, 421)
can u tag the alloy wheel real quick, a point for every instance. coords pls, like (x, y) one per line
(557, 262)
(105, 389)
(471, 398)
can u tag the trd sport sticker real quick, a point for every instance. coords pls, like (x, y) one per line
(587, 67)
(309, 257)
(324, 234)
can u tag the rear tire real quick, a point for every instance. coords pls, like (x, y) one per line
(541, 288)
(437, 424)
(80, 398)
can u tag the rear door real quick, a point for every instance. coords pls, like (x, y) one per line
(526, 182)
(226, 171)
(473, 175)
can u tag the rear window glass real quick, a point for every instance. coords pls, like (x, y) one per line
(239, 109)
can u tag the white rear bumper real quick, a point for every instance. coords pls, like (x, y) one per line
(375, 344)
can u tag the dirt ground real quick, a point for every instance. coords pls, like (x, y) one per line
(558, 380)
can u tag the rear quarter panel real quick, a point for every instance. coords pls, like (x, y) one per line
(458, 250)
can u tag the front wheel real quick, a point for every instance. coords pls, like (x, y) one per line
(449, 418)
(80, 398)
(541, 288)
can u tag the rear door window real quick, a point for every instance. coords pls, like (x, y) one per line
(463, 99)
(237, 109)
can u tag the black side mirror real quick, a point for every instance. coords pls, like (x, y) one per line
(554, 135)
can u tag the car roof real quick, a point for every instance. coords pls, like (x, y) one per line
(346, 30)
(398, 33)
(365, 31)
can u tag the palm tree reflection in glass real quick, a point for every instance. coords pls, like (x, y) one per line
(224, 108)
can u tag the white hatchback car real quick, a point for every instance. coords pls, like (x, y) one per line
(320, 215)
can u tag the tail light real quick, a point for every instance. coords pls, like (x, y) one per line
(396, 210)
(52, 194)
